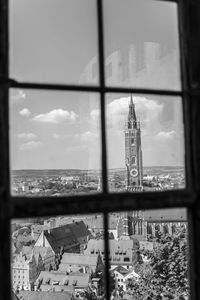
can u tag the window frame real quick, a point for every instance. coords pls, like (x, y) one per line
(106, 202)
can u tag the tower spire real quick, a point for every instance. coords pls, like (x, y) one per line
(132, 121)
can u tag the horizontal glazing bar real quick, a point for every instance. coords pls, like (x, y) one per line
(40, 206)
(174, 1)
(88, 88)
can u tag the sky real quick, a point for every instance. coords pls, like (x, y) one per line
(56, 41)
(62, 130)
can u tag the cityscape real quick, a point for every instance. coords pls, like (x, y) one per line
(55, 148)
(63, 257)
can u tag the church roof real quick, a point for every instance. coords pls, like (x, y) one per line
(79, 230)
(166, 215)
(66, 236)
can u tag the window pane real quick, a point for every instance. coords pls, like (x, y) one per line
(145, 139)
(53, 41)
(141, 44)
(54, 143)
(149, 254)
(55, 254)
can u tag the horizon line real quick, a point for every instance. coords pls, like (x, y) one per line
(152, 166)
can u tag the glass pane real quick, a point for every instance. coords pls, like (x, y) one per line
(53, 41)
(145, 140)
(55, 144)
(51, 257)
(141, 44)
(149, 254)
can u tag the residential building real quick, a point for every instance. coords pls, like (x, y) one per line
(58, 281)
(122, 275)
(24, 271)
(122, 252)
(84, 263)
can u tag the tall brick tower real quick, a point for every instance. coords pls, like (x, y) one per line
(132, 222)
(133, 151)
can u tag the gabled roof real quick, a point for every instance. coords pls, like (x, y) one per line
(66, 236)
(32, 295)
(79, 229)
(120, 269)
(43, 251)
(78, 259)
(81, 280)
(60, 237)
(131, 273)
(115, 245)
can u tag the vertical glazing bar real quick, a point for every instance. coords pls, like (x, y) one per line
(107, 263)
(189, 12)
(5, 289)
(102, 92)
(103, 136)
(188, 133)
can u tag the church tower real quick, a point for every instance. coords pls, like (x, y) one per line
(132, 223)
(133, 151)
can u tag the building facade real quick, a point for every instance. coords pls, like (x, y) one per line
(24, 272)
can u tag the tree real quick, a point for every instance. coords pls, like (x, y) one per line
(90, 295)
(169, 263)
(167, 270)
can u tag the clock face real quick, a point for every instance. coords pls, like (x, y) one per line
(134, 172)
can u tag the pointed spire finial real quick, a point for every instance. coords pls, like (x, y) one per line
(131, 101)
(132, 121)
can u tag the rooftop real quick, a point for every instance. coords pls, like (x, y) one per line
(159, 215)
(67, 235)
(80, 259)
(115, 245)
(30, 295)
(50, 278)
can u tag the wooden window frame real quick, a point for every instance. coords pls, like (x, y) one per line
(105, 202)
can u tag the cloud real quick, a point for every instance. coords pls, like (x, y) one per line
(88, 136)
(147, 110)
(25, 112)
(17, 96)
(160, 145)
(166, 135)
(27, 135)
(56, 116)
(58, 136)
(30, 145)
